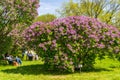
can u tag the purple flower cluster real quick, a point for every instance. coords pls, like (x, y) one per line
(29, 4)
(35, 30)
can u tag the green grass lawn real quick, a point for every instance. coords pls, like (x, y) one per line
(34, 70)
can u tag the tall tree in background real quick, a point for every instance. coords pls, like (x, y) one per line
(69, 9)
(45, 18)
(12, 13)
(105, 10)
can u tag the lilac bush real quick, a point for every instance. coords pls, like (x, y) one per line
(15, 15)
(69, 42)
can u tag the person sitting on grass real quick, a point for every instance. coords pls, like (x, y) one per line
(9, 58)
(18, 60)
(12, 60)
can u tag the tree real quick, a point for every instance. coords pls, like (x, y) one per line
(13, 12)
(69, 9)
(45, 18)
(68, 42)
(105, 10)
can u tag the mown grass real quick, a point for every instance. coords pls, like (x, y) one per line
(106, 69)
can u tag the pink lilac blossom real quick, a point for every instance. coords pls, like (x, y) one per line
(86, 31)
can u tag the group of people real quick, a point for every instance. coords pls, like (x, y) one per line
(13, 60)
(30, 55)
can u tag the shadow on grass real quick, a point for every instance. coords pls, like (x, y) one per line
(96, 70)
(32, 70)
(39, 69)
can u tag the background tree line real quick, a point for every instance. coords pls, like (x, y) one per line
(105, 10)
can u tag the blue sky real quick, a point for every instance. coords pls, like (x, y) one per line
(50, 6)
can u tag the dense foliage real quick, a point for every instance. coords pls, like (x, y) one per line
(13, 13)
(67, 43)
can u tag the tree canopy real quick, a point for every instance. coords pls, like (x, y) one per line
(14, 12)
(105, 10)
(45, 18)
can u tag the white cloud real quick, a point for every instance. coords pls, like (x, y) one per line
(47, 8)
(50, 6)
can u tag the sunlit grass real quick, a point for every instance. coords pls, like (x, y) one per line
(34, 70)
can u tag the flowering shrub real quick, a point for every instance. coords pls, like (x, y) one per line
(69, 42)
(14, 16)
